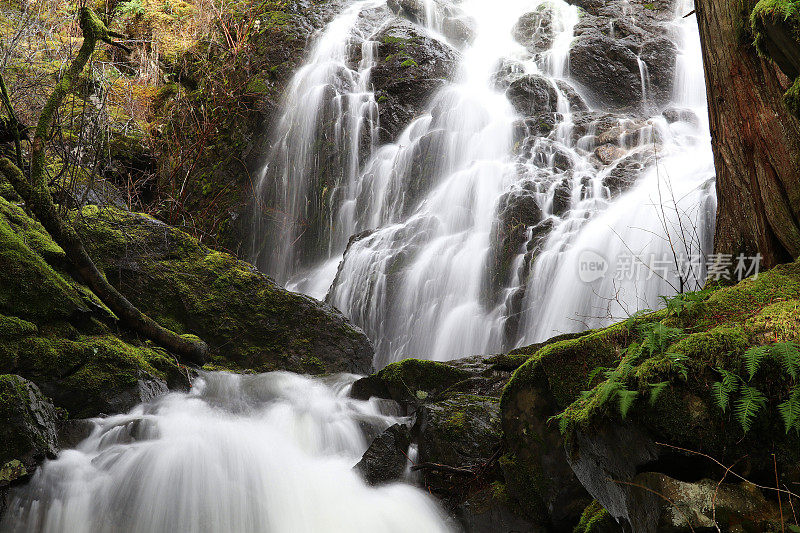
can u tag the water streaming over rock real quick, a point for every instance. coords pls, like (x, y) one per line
(261, 453)
(555, 134)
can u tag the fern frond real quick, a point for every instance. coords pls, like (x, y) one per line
(659, 337)
(753, 359)
(593, 374)
(655, 391)
(788, 355)
(723, 389)
(750, 402)
(607, 389)
(626, 399)
(790, 411)
(678, 362)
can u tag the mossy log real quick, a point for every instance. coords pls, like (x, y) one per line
(38, 199)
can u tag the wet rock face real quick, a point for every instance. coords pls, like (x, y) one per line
(518, 210)
(27, 431)
(534, 30)
(607, 69)
(411, 67)
(610, 43)
(386, 458)
(28, 427)
(534, 95)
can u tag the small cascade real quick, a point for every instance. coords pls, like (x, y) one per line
(258, 453)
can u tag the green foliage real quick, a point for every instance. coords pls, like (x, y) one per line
(131, 8)
(788, 355)
(685, 302)
(753, 358)
(723, 389)
(655, 391)
(626, 399)
(790, 411)
(750, 402)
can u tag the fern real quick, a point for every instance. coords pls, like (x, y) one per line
(790, 411)
(788, 355)
(593, 374)
(658, 337)
(630, 322)
(723, 389)
(626, 399)
(753, 359)
(655, 391)
(607, 389)
(678, 362)
(748, 405)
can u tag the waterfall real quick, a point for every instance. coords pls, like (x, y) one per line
(258, 453)
(430, 261)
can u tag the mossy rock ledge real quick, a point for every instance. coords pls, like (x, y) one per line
(249, 321)
(634, 410)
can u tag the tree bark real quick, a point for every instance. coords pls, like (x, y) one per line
(37, 198)
(755, 139)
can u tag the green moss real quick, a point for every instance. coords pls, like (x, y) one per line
(593, 518)
(30, 287)
(11, 327)
(779, 12)
(406, 379)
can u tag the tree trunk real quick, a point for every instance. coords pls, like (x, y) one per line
(756, 140)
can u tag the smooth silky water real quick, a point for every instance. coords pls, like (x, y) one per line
(240, 453)
(416, 282)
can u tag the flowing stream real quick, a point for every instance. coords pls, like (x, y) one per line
(415, 269)
(265, 453)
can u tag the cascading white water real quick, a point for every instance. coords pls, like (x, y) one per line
(263, 453)
(668, 216)
(416, 279)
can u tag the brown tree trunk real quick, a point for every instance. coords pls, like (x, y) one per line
(756, 140)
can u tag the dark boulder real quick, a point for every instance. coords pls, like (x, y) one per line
(517, 211)
(386, 458)
(27, 423)
(532, 94)
(411, 67)
(608, 70)
(659, 55)
(461, 431)
(27, 431)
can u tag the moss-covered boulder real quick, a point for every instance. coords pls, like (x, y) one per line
(712, 375)
(411, 67)
(249, 321)
(56, 333)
